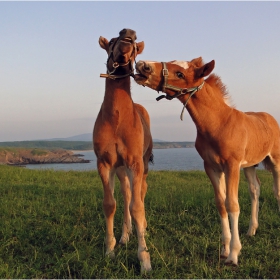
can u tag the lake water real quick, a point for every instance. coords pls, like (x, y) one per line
(164, 159)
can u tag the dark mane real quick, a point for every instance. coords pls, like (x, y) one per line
(216, 82)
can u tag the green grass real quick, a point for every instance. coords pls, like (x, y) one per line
(52, 226)
(14, 151)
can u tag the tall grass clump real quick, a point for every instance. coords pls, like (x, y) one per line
(52, 226)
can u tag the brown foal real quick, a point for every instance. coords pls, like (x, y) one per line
(227, 139)
(123, 143)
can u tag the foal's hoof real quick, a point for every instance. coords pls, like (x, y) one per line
(251, 231)
(110, 254)
(224, 253)
(124, 240)
(145, 268)
(230, 263)
(145, 261)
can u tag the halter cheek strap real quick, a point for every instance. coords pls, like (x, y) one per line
(116, 65)
(179, 91)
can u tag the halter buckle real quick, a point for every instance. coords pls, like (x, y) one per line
(165, 72)
(116, 65)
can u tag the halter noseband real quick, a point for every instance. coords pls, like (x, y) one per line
(179, 91)
(116, 64)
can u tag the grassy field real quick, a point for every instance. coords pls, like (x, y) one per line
(52, 226)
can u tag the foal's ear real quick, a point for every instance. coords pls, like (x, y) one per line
(204, 70)
(104, 44)
(197, 62)
(140, 47)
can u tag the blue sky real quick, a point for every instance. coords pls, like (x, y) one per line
(50, 60)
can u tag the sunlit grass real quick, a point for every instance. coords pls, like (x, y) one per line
(52, 226)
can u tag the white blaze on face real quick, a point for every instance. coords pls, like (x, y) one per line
(183, 64)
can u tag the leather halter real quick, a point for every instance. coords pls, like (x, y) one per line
(179, 91)
(116, 64)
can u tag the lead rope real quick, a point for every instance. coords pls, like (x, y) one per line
(185, 104)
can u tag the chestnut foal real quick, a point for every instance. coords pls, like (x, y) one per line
(123, 143)
(227, 139)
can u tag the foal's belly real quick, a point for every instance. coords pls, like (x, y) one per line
(217, 161)
(254, 160)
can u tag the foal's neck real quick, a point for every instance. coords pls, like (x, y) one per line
(122, 83)
(208, 110)
(117, 96)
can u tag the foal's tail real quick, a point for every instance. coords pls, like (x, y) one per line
(258, 180)
(267, 164)
(151, 158)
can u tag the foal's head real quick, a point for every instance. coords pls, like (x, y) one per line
(122, 52)
(174, 76)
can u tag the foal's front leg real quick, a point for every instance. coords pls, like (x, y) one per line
(232, 174)
(109, 205)
(137, 210)
(218, 181)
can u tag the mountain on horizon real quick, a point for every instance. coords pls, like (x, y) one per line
(81, 137)
(86, 137)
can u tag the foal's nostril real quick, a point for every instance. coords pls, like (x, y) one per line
(147, 67)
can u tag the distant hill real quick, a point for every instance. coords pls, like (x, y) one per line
(85, 137)
(83, 142)
(80, 137)
(58, 144)
(82, 145)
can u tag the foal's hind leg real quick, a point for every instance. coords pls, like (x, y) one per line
(109, 206)
(275, 166)
(254, 189)
(143, 194)
(126, 192)
(145, 174)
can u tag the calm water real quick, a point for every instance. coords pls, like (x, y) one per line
(164, 159)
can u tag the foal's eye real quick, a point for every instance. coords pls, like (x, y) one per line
(180, 75)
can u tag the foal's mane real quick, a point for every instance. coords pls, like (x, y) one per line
(216, 83)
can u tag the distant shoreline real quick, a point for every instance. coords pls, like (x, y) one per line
(82, 145)
(42, 152)
(24, 156)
